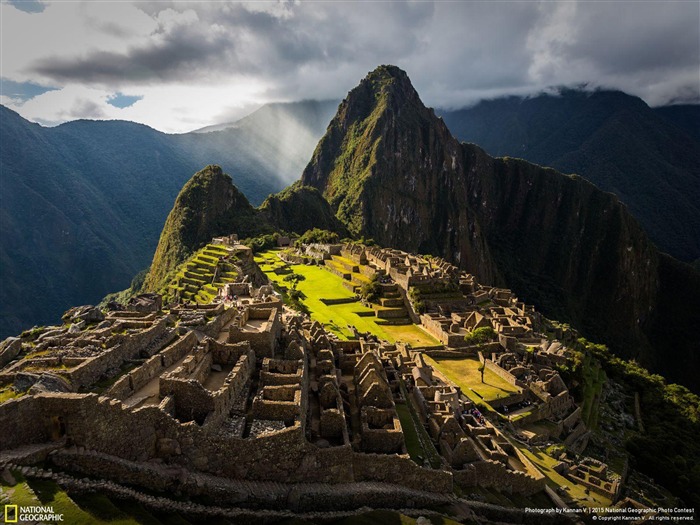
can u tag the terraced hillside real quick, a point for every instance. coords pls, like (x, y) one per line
(199, 278)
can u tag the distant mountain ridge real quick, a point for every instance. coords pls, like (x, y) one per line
(311, 114)
(649, 158)
(83, 203)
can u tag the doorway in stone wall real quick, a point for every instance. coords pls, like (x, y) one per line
(58, 428)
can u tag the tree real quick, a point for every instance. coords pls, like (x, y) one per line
(293, 278)
(482, 368)
(371, 291)
(480, 335)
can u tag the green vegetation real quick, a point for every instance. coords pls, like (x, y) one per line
(318, 284)
(299, 209)
(414, 294)
(194, 279)
(418, 443)
(124, 296)
(32, 333)
(348, 156)
(35, 492)
(7, 393)
(480, 335)
(208, 205)
(464, 372)
(668, 450)
(261, 242)
(413, 446)
(370, 291)
(317, 235)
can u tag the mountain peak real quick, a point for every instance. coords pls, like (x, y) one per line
(389, 86)
(208, 205)
(387, 75)
(380, 122)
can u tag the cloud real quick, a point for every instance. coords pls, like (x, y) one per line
(454, 52)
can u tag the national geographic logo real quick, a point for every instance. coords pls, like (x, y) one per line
(17, 514)
(11, 513)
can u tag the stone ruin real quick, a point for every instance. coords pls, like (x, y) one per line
(251, 391)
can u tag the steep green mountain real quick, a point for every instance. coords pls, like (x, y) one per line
(81, 209)
(300, 208)
(649, 158)
(209, 205)
(393, 172)
(83, 203)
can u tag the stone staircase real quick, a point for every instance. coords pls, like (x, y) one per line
(391, 309)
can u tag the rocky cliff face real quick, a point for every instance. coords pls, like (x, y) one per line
(392, 171)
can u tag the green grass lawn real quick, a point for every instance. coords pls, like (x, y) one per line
(319, 284)
(464, 372)
(594, 380)
(410, 435)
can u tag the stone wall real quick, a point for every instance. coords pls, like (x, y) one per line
(434, 327)
(381, 431)
(128, 347)
(281, 372)
(491, 474)
(213, 327)
(22, 423)
(263, 341)
(226, 354)
(503, 374)
(152, 368)
(193, 402)
(399, 469)
(277, 403)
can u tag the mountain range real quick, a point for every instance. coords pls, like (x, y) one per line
(390, 170)
(83, 203)
(88, 198)
(649, 158)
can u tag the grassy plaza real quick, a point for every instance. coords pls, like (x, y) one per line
(320, 284)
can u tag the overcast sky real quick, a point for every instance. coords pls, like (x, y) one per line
(178, 66)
